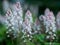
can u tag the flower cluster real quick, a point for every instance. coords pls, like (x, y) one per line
(49, 24)
(15, 24)
(14, 20)
(27, 29)
(9, 24)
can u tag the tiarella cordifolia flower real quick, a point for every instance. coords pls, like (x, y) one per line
(19, 11)
(27, 29)
(58, 21)
(50, 25)
(14, 21)
(27, 26)
(11, 32)
(18, 16)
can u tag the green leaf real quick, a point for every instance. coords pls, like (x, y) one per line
(2, 32)
(52, 43)
(40, 37)
(29, 43)
(9, 42)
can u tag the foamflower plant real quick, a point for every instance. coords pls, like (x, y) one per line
(14, 20)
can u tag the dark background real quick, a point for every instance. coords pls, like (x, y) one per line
(53, 5)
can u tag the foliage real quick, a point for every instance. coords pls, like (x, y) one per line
(52, 43)
(2, 32)
(39, 39)
(58, 36)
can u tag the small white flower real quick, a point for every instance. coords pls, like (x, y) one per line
(50, 32)
(14, 13)
(18, 17)
(46, 31)
(8, 35)
(9, 24)
(9, 30)
(20, 22)
(11, 20)
(54, 30)
(53, 37)
(23, 36)
(13, 23)
(50, 28)
(29, 38)
(47, 37)
(12, 27)
(28, 35)
(24, 40)
(54, 34)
